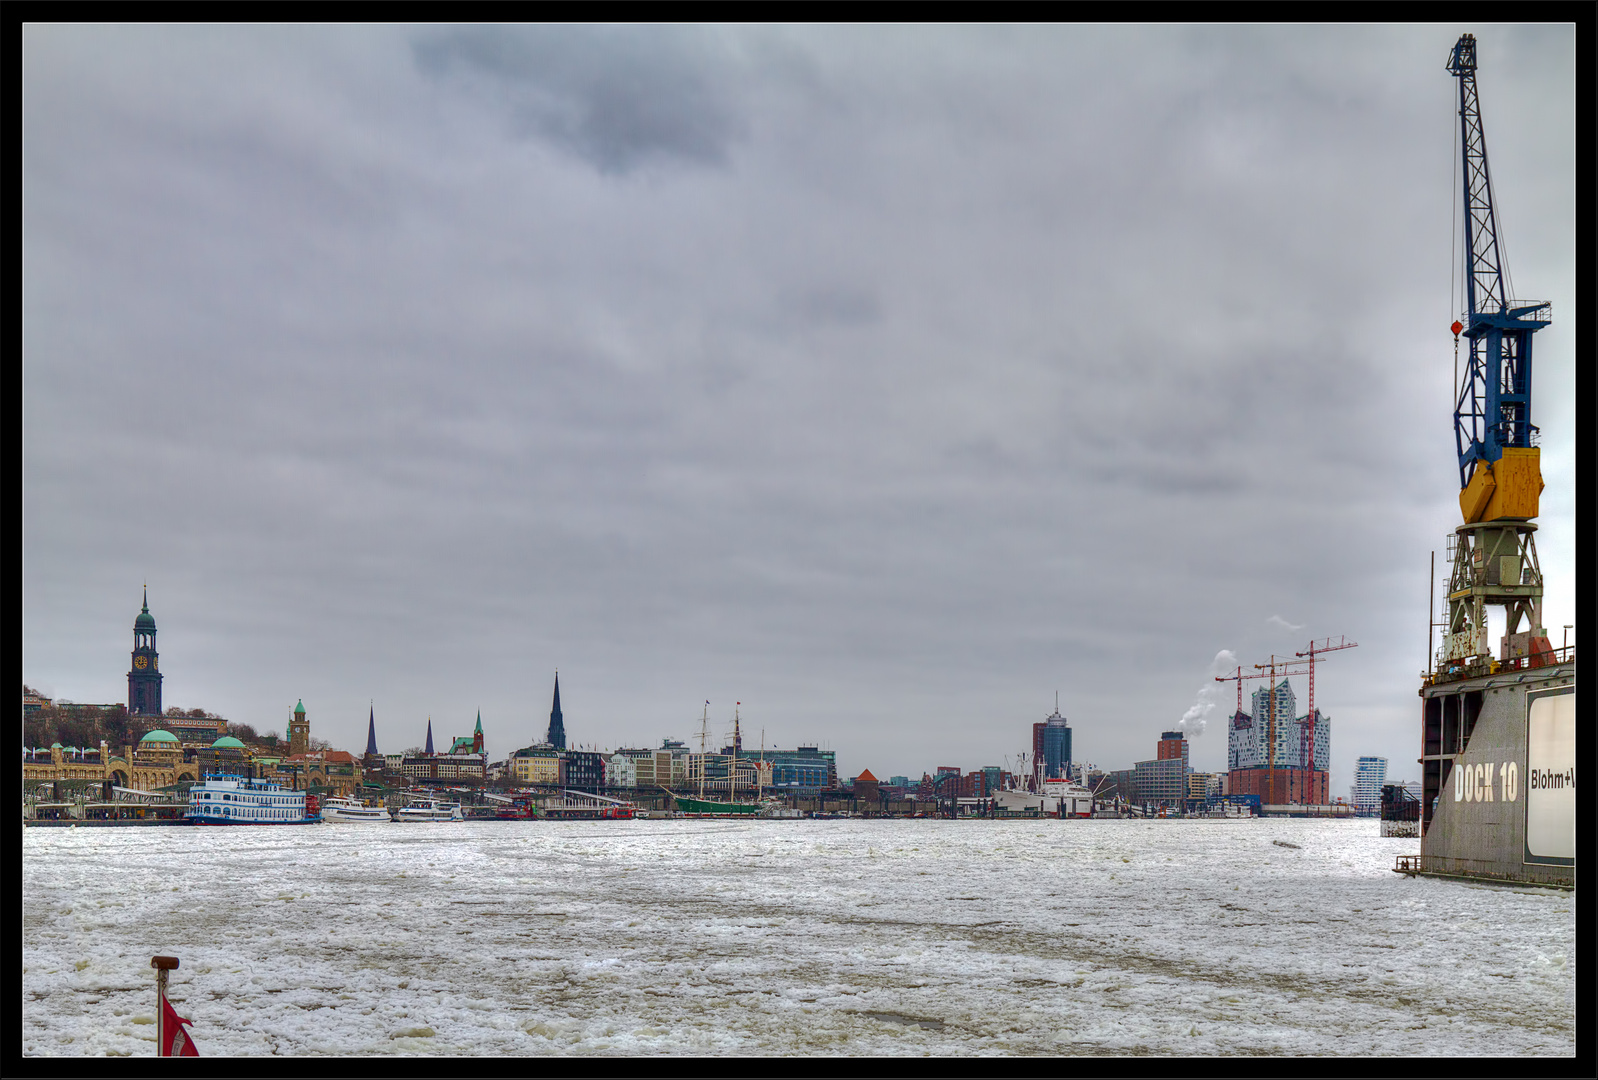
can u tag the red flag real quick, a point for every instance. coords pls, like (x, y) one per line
(178, 1043)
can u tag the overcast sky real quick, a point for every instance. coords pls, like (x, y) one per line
(885, 380)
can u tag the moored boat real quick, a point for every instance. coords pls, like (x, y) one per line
(243, 800)
(343, 809)
(688, 807)
(433, 810)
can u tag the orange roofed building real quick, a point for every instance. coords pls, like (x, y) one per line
(867, 788)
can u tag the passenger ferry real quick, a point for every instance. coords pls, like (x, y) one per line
(241, 800)
(430, 811)
(354, 810)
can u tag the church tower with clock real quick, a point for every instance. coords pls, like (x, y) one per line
(144, 679)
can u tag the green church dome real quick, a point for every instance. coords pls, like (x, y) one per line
(145, 620)
(299, 710)
(227, 742)
(159, 736)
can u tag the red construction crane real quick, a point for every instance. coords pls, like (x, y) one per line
(1325, 646)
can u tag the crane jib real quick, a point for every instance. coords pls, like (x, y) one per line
(1492, 410)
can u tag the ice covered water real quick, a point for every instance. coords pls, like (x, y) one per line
(785, 937)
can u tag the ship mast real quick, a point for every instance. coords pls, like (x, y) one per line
(704, 733)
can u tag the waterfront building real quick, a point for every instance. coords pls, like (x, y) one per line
(445, 768)
(642, 767)
(144, 677)
(992, 777)
(1249, 763)
(1370, 773)
(1162, 780)
(227, 755)
(195, 729)
(469, 744)
(158, 761)
(621, 770)
(582, 770)
(58, 763)
(557, 721)
(335, 770)
(536, 765)
(867, 788)
(805, 768)
(1052, 746)
(1172, 744)
(671, 762)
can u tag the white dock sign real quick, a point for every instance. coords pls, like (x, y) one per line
(1551, 776)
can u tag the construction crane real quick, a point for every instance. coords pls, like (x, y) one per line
(1308, 753)
(1500, 475)
(1286, 667)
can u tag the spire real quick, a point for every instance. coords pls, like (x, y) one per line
(479, 722)
(557, 722)
(146, 610)
(477, 736)
(371, 732)
(429, 749)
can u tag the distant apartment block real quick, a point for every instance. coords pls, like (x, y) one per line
(1370, 773)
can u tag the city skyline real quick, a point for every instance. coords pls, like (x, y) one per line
(885, 380)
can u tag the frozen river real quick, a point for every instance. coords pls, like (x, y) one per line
(785, 937)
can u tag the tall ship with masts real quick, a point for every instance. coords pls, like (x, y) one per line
(707, 805)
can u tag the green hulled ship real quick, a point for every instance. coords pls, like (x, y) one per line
(719, 808)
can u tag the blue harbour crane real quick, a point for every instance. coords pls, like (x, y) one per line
(1493, 411)
(1493, 553)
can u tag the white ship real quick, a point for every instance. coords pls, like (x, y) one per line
(241, 800)
(430, 811)
(354, 810)
(1058, 798)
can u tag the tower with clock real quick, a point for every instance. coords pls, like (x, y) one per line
(144, 678)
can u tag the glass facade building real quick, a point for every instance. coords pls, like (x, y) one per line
(1056, 747)
(1370, 773)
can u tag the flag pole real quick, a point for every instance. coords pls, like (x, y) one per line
(162, 965)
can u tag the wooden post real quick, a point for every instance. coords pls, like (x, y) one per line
(162, 965)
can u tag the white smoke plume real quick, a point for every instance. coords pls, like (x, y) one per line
(1209, 695)
(1283, 624)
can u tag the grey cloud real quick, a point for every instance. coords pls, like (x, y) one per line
(616, 97)
(838, 305)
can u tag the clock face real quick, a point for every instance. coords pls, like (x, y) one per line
(141, 662)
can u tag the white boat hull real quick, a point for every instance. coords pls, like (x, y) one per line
(334, 810)
(430, 813)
